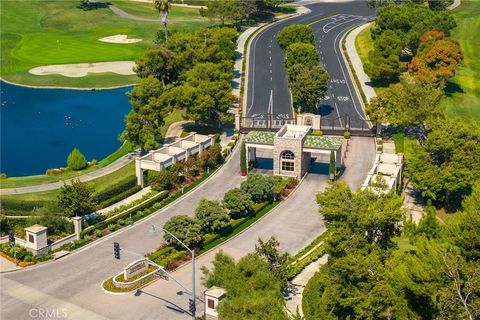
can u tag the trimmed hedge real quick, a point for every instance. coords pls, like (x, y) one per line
(21, 205)
(116, 189)
(132, 211)
(119, 197)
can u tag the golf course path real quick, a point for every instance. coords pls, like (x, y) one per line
(124, 14)
(114, 166)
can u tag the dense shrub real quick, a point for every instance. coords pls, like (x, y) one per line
(212, 216)
(238, 202)
(259, 187)
(185, 229)
(115, 189)
(295, 33)
(57, 171)
(76, 160)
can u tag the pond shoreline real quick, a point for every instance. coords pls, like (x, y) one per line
(66, 88)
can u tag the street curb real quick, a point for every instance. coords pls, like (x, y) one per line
(135, 224)
(241, 232)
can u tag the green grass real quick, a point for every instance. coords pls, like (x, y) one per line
(463, 93)
(36, 33)
(98, 185)
(17, 182)
(364, 44)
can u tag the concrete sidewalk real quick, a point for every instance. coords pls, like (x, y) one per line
(7, 265)
(357, 64)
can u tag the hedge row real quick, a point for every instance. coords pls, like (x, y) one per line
(119, 197)
(116, 189)
(132, 211)
(21, 205)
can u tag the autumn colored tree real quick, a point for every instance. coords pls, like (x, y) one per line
(437, 58)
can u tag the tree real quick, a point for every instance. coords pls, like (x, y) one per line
(162, 180)
(224, 10)
(277, 263)
(76, 199)
(332, 166)
(144, 123)
(259, 187)
(76, 160)
(383, 61)
(437, 58)
(253, 292)
(212, 216)
(439, 4)
(185, 229)
(162, 7)
(295, 33)
(407, 104)
(364, 217)
(243, 159)
(410, 21)
(429, 225)
(238, 202)
(308, 85)
(49, 217)
(463, 230)
(447, 165)
(301, 53)
(158, 62)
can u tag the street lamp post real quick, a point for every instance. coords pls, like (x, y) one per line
(192, 252)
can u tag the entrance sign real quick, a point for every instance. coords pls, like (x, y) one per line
(135, 268)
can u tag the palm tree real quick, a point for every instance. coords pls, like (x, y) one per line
(162, 8)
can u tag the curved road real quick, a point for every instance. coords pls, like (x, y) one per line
(71, 285)
(267, 90)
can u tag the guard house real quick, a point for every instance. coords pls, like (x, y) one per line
(172, 153)
(293, 146)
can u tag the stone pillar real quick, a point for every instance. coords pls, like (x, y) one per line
(36, 239)
(252, 154)
(77, 223)
(237, 122)
(139, 172)
(338, 158)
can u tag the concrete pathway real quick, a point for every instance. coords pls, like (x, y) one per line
(454, 5)
(297, 285)
(114, 166)
(352, 53)
(414, 203)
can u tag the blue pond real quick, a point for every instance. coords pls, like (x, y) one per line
(40, 127)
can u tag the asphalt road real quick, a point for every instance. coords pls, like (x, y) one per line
(267, 90)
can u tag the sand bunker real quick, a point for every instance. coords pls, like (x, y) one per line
(82, 69)
(119, 38)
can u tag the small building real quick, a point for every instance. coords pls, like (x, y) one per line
(172, 153)
(293, 146)
(213, 296)
(36, 239)
(386, 172)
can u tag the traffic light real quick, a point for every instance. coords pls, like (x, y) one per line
(116, 250)
(191, 306)
(11, 236)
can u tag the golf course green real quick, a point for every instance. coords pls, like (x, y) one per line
(37, 33)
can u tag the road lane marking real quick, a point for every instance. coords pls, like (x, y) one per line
(338, 113)
(343, 72)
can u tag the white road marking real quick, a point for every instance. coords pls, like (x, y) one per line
(345, 77)
(338, 113)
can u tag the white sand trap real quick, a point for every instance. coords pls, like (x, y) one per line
(78, 70)
(119, 38)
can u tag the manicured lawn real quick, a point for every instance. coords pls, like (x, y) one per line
(463, 94)
(36, 33)
(16, 182)
(98, 185)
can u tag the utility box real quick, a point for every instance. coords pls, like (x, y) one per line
(213, 296)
